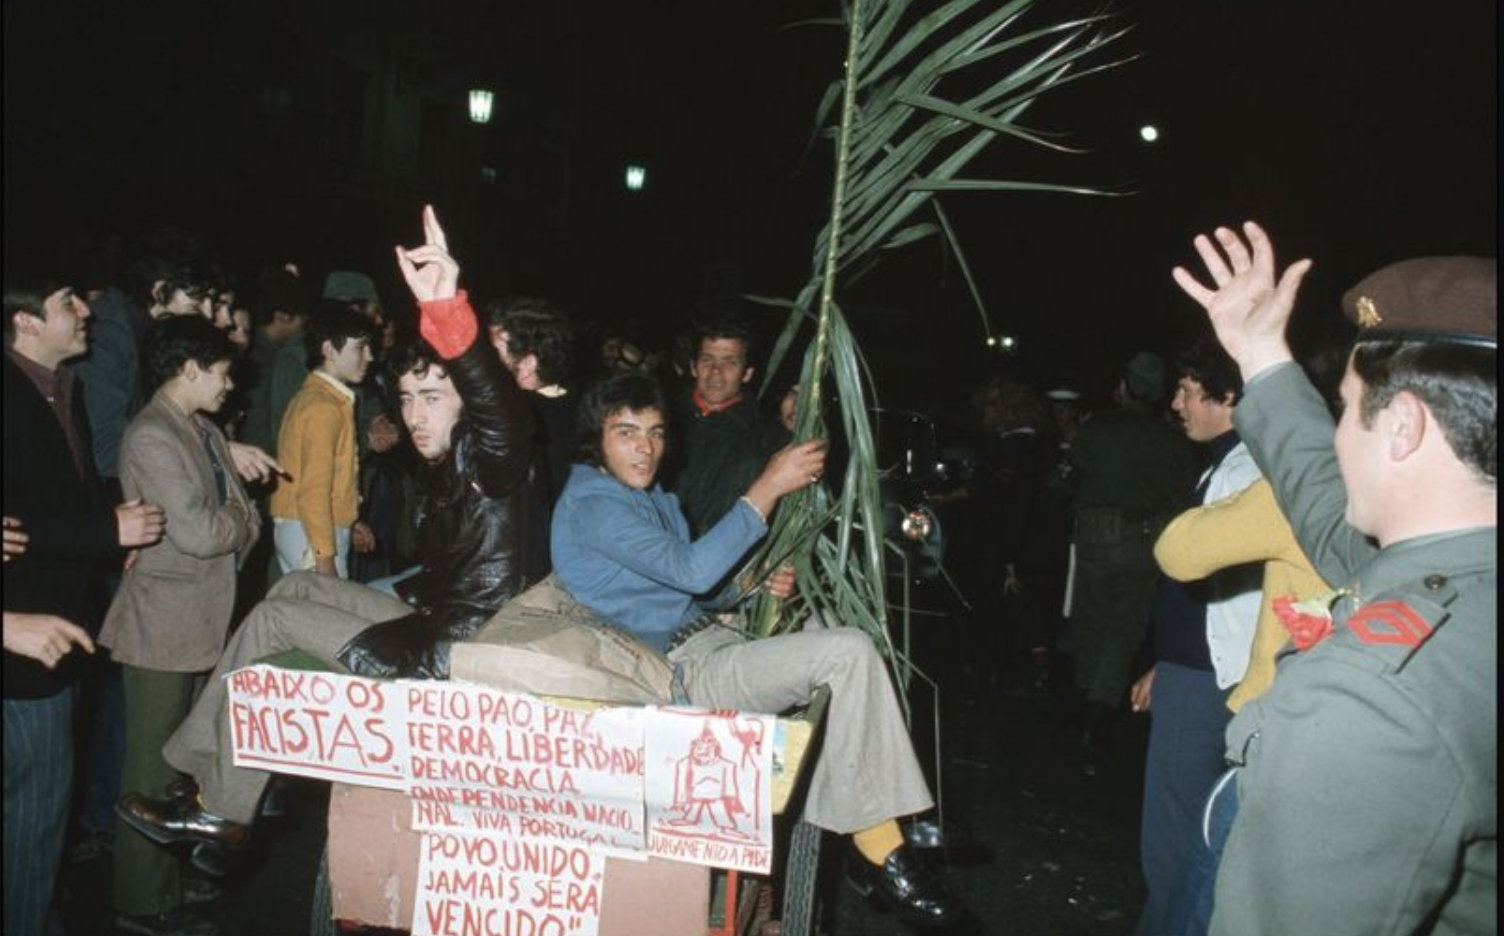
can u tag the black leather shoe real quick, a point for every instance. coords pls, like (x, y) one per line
(906, 885)
(180, 820)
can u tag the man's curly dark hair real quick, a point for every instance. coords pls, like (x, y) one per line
(636, 392)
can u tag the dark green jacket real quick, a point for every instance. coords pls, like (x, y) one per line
(717, 458)
(1133, 460)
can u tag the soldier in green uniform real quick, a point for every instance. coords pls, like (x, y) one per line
(1136, 472)
(1365, 788)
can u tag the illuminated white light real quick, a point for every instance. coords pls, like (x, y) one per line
(991, 341)
(636, 178)
(1009, 341)
(1148, 133)
(480, 105)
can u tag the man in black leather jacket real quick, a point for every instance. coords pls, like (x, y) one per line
(482, 531)
(481, 540)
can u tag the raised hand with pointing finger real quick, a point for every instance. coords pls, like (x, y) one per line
(446, 319)
(430, 272)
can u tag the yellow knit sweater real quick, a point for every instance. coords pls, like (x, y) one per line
(1247, 527)
(316, 445)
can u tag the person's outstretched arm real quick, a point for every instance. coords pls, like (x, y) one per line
(1281, 417)
(497, 411)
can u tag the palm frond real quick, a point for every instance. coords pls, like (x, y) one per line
(900, 139)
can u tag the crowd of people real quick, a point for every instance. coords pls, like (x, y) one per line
(198, 477)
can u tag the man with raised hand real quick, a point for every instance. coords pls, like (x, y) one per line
(480, 519)
(1364, 797)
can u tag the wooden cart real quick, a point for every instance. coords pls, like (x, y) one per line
(369, 873)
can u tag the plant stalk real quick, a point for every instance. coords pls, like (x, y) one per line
(808, 423)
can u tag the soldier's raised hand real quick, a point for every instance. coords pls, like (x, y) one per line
(1248, 308)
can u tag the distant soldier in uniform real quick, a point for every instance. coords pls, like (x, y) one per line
(1365, 791)
(1136, 472)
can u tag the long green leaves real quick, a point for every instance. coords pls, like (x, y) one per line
(900, 139)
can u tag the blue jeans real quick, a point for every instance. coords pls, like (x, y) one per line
(1190, 910)
(294, 554)
(38, 781)
(1189, 719)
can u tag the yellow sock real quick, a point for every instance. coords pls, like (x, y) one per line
(879, 841)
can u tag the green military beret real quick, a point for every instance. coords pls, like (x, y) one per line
(1441, 299)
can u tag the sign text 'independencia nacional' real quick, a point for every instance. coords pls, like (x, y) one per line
(488, 761)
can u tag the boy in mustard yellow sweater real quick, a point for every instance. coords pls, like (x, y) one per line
(314, 511)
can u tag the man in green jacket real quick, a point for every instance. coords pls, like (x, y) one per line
(1136, 472)
(722, 445)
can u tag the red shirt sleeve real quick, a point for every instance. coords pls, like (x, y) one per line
(449, 325)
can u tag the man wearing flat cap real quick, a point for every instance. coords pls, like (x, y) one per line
(1364, 793)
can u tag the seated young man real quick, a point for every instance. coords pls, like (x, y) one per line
(479, 538)
(622, 547)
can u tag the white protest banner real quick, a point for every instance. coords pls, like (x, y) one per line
(484, 760)
(319, 725)
(491, 885)
(709, 788)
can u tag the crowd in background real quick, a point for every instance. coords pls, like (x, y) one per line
(201, 431)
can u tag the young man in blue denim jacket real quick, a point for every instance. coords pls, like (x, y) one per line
(622, 547)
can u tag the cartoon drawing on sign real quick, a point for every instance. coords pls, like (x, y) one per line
(749, 733)
(707, 784)
(707, 787)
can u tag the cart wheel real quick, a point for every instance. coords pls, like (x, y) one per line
(321, 915)
(801, 880)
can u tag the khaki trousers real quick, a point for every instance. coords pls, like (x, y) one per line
(867, 771)
(304, 610)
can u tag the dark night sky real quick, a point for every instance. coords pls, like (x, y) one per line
(1358, 132)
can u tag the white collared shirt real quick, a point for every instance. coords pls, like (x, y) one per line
(1232, 614)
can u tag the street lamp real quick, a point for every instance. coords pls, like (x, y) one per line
(480, 105)
(637, 176)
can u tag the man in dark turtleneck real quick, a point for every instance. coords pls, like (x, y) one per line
(1202, 633)
(721, 442)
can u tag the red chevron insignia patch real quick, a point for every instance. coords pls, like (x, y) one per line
(1389, 622)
